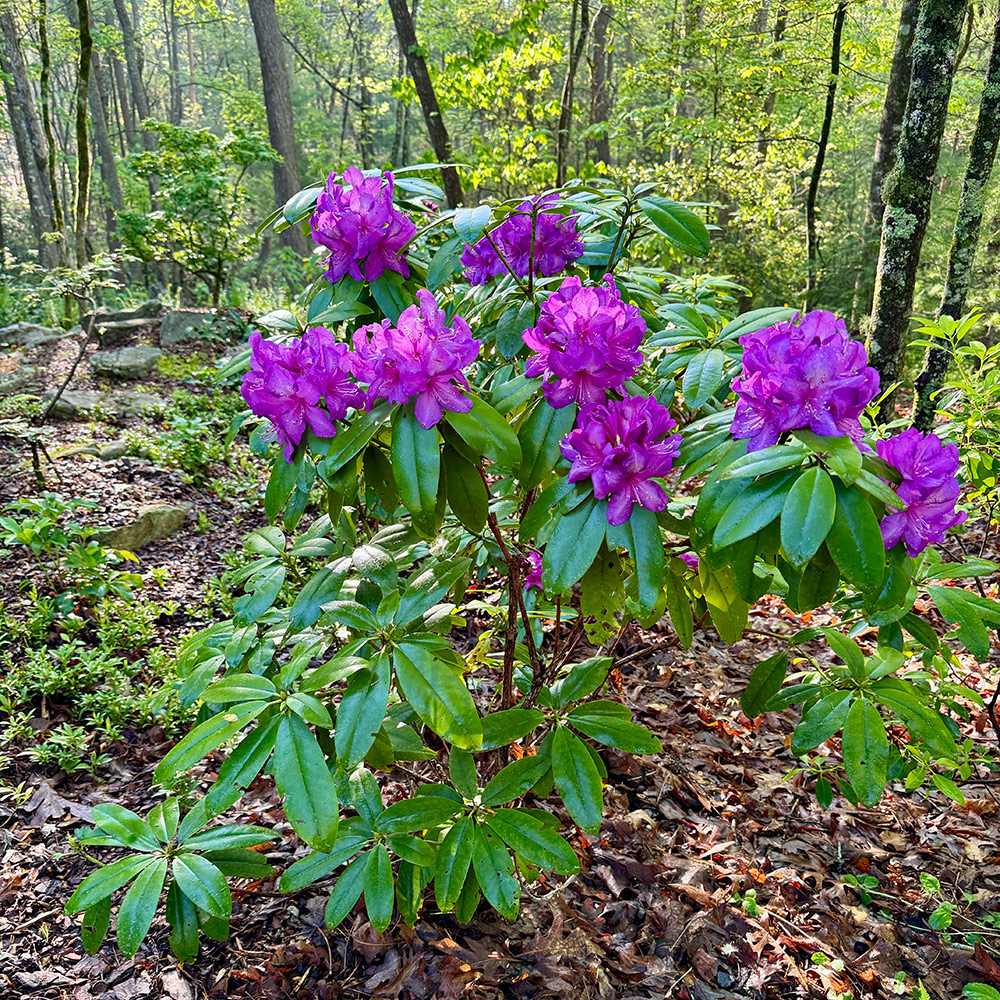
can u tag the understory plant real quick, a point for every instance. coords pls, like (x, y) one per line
(524, 447)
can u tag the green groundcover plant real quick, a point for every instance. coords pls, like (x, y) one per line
(488, 401)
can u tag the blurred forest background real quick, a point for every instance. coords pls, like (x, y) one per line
(167, 130)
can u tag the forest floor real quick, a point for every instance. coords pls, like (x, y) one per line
(713, 876)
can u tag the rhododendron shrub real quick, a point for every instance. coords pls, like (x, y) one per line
(480, 480)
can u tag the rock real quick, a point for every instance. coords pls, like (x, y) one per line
(145, 310)
(77, 449)
(30, 335)
(113, 450)
(152, 522)
(112, 333)
(182, 325)
(11, 382)
(125, 362)
(76, 404)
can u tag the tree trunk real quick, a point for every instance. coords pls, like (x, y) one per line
(885, 158)
(278, 104)
(173, 55)
(45, 99)
(134, 66)
(105, 149)
(965, 239)
(764, 138)
(436, 128)
(82, 139)
(577, 46)
(600, 82)
(908, 189)
(812, 240)
(28, 138)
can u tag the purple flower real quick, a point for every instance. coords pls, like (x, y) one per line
(691, 559)
(556, 243)
(420, 358)
(804, 373)
(287, 381)
(622, 446)
(533, 578)
(587, 340)
(364, 232)
(929, 488)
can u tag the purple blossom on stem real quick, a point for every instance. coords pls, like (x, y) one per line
(420, 358)
(361, 227)
(287, 381)
(804, 373)
(556, 243)
(533, 578)
(622, 446)
(929, 488)
(587, 341)
(691, 560)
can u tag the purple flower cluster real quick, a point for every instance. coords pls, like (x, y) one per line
(420, 358)
(555, 244)
(364, 232)
(804, 373)
(622, 446)
(929, 488)
(587, 340)
(287, 381)
(533, 578)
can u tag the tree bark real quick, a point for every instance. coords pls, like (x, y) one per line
(278, 105)
(908, 189)
(105, 149)
(82, 139)
(28, 137)
(577, 46)
(45, 99)
(134, 67)
(600, 82)
(884, 160)
(770, 99)
(812, 240)
(436, 127)
(965, 238)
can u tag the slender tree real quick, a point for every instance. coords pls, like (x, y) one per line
(812, 239)
(579, 32)
(908, 189)
(278, 105)
(45, 99)
(771, 97)
(82, 138)
(884, 160)
(601, 61)
(965, 238)
(105, 149)
(436, 128)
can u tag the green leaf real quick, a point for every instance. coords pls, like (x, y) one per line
(577, 778)
(425, 589)
(438, 695)
(874, 486)
(494, 870)
(125, 826)
(855, 540)
(640, 535)
(765, 460)
(347, 891)
(468, 900)
(514, 780)
(305, 706)
(921, 718)
(242, 766)
(678, 224)
(848, 650)
(304, 780)
(582, 680)
(203, 884)
(703, 377)
(205, 738)
(593, 719)
(679, 609)
(107, 880)
(540, 436)
(263, 588)
(135, 915)
(465, 489)
(462, 771)
(470, 222)
(840, 454)
(866, 751)
(444, 263)
(238, 862)
(284, 476)
(946, 785)
(422, 812)
(416, 464)
(487, 433)
(807, 515)
(510, 327)
(323, 586)
(353, 834)
(765, 682)
(538, 846)
(955, 607)
(183, 920)
(94, 929)
(503, 728)
(574, 545)
(351, 440)
(239, 687)
(728, 610)
(418, 852)
(222, 838)
(409, 891)
(453, 862)
(361, 713)
(980, 991)
(824, 719)
(757, 506)
(380, 889)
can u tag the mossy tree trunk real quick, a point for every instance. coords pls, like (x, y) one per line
(965, 240)
(83, 165)
(884, 159)
(907, 190)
